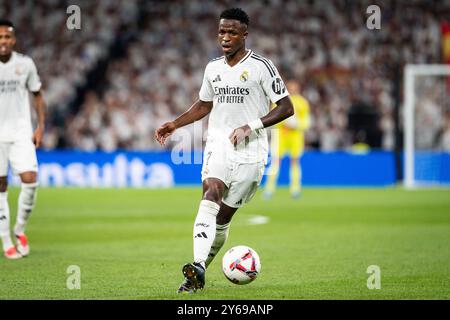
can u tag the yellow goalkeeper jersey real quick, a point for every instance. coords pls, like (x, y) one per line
(289, 138)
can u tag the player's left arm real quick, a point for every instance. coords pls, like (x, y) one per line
(284, 110)
(275, 89)
(34, 86)
(39, 105)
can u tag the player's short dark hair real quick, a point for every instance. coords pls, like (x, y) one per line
(236, 14)
(7, 23)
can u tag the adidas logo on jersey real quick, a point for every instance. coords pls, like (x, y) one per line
(238, 203)
(217, 79)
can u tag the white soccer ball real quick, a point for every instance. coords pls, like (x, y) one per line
(241, 265)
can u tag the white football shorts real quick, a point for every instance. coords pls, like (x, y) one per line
(21, 155)
(242, 179)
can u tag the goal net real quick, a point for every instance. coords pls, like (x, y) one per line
(426, 125)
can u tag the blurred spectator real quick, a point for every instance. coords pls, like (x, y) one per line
(64, 57)
(445, 138)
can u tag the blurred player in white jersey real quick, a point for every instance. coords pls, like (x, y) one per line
(237, 90)
(18, 143)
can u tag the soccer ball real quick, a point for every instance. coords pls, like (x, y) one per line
(241, 265)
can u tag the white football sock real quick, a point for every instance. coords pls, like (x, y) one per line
(4, 222)
(222, 231)
(27, 199)
(204, 230)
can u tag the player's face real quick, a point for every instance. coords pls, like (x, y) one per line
(232, 35)
(7, 40)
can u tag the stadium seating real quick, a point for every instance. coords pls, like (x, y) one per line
(325, 44)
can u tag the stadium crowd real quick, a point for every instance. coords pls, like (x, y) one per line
(324, 44)
(65, 57)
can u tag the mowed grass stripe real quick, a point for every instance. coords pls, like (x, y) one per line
(131, 244)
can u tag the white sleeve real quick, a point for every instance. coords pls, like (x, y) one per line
(206, 91)
(33, 80)
(272, 83)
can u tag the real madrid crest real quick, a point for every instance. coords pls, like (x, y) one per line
(244, 76)
(19, 71)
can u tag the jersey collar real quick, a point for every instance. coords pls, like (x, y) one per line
(240, 61)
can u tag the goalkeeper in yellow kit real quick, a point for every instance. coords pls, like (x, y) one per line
(288, 138)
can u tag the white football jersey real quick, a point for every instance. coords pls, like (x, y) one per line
(18, 76)
(240, 94)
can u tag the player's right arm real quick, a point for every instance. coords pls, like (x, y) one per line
(196, 112)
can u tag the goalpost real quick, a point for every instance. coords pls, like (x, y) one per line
(427, 95)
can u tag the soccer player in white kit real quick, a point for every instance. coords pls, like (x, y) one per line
(18, 143)
(237, 90)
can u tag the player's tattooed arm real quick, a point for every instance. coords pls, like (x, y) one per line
(39, 105)
(196, 112)
(284, 110)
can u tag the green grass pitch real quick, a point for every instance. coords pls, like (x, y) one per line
(131, 244)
